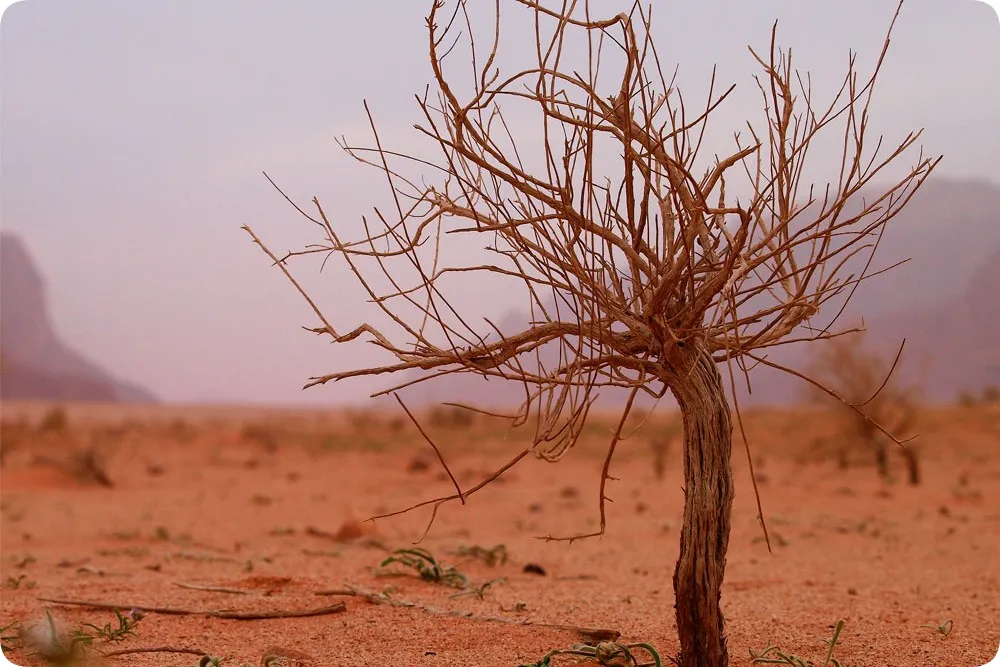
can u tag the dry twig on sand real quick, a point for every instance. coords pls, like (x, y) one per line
(211, 589)
(588, 634)
(231, 615)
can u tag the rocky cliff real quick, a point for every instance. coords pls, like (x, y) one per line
(37, 364)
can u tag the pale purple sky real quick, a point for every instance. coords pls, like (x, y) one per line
(134, 135)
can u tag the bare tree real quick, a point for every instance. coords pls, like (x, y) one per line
(640, 272)
(871, 394)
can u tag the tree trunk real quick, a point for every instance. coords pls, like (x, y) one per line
(708, 503)
(881, 458)
(912, 465)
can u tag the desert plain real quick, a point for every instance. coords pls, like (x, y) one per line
(219, 517)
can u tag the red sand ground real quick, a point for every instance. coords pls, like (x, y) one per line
(199, 503)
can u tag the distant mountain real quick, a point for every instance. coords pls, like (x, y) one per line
(36, 364)
(943, 301)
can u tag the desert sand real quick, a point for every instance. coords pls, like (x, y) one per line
(249, 510)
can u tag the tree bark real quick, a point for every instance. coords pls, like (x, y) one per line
(708, 502)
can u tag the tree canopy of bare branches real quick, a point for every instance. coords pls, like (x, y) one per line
(584, 174)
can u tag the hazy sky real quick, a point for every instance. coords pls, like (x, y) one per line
(134, 135)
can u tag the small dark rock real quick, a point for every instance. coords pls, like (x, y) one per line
(418, 465)
(534, 568)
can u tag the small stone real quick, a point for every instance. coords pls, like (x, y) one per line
(534, 568)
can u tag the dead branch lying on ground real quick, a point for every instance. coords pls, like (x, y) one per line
(210, 613)
(211, 589)
(588, 634)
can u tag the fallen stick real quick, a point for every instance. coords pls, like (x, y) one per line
(589, 634)
(262, 615)
(159, 649)
(211, 589)
(115, 607)
(229, 615)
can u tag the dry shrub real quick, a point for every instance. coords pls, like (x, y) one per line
(55, 420)
(451, 416)
(261, 434)
(647, 267)
(991, 394)
(661, 441)
(870, 395)
(14, 435)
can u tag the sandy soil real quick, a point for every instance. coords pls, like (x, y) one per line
(199, 498)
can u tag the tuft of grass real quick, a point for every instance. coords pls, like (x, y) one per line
(126, 627)
(492, 557)
(944, 629)
(65, 649)
(609, 654)
(427, 567)
(772, 655)
(479, 591)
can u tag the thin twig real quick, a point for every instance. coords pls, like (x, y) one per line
(589, 634)
(211, 613)
(211, 589)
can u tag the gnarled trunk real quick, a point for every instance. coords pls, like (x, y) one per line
(708, 503)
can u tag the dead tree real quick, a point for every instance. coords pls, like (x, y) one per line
(871, 393)
(641, 270)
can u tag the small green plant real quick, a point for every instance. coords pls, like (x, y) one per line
(427, 567)
(609, 654)
(944, 629)
(126, 627)
(45, 641)
(60, 649)
(772, 655)
(479, 591)
(492, 557)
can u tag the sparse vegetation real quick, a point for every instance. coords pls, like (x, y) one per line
(55, 420)
(870, 402)
(427, 567)
(772, 655)
(492, 557)
(68, 648)
(608, 654)
(943, 629)
(18, 581)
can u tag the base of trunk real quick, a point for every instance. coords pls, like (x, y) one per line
(708, 502)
